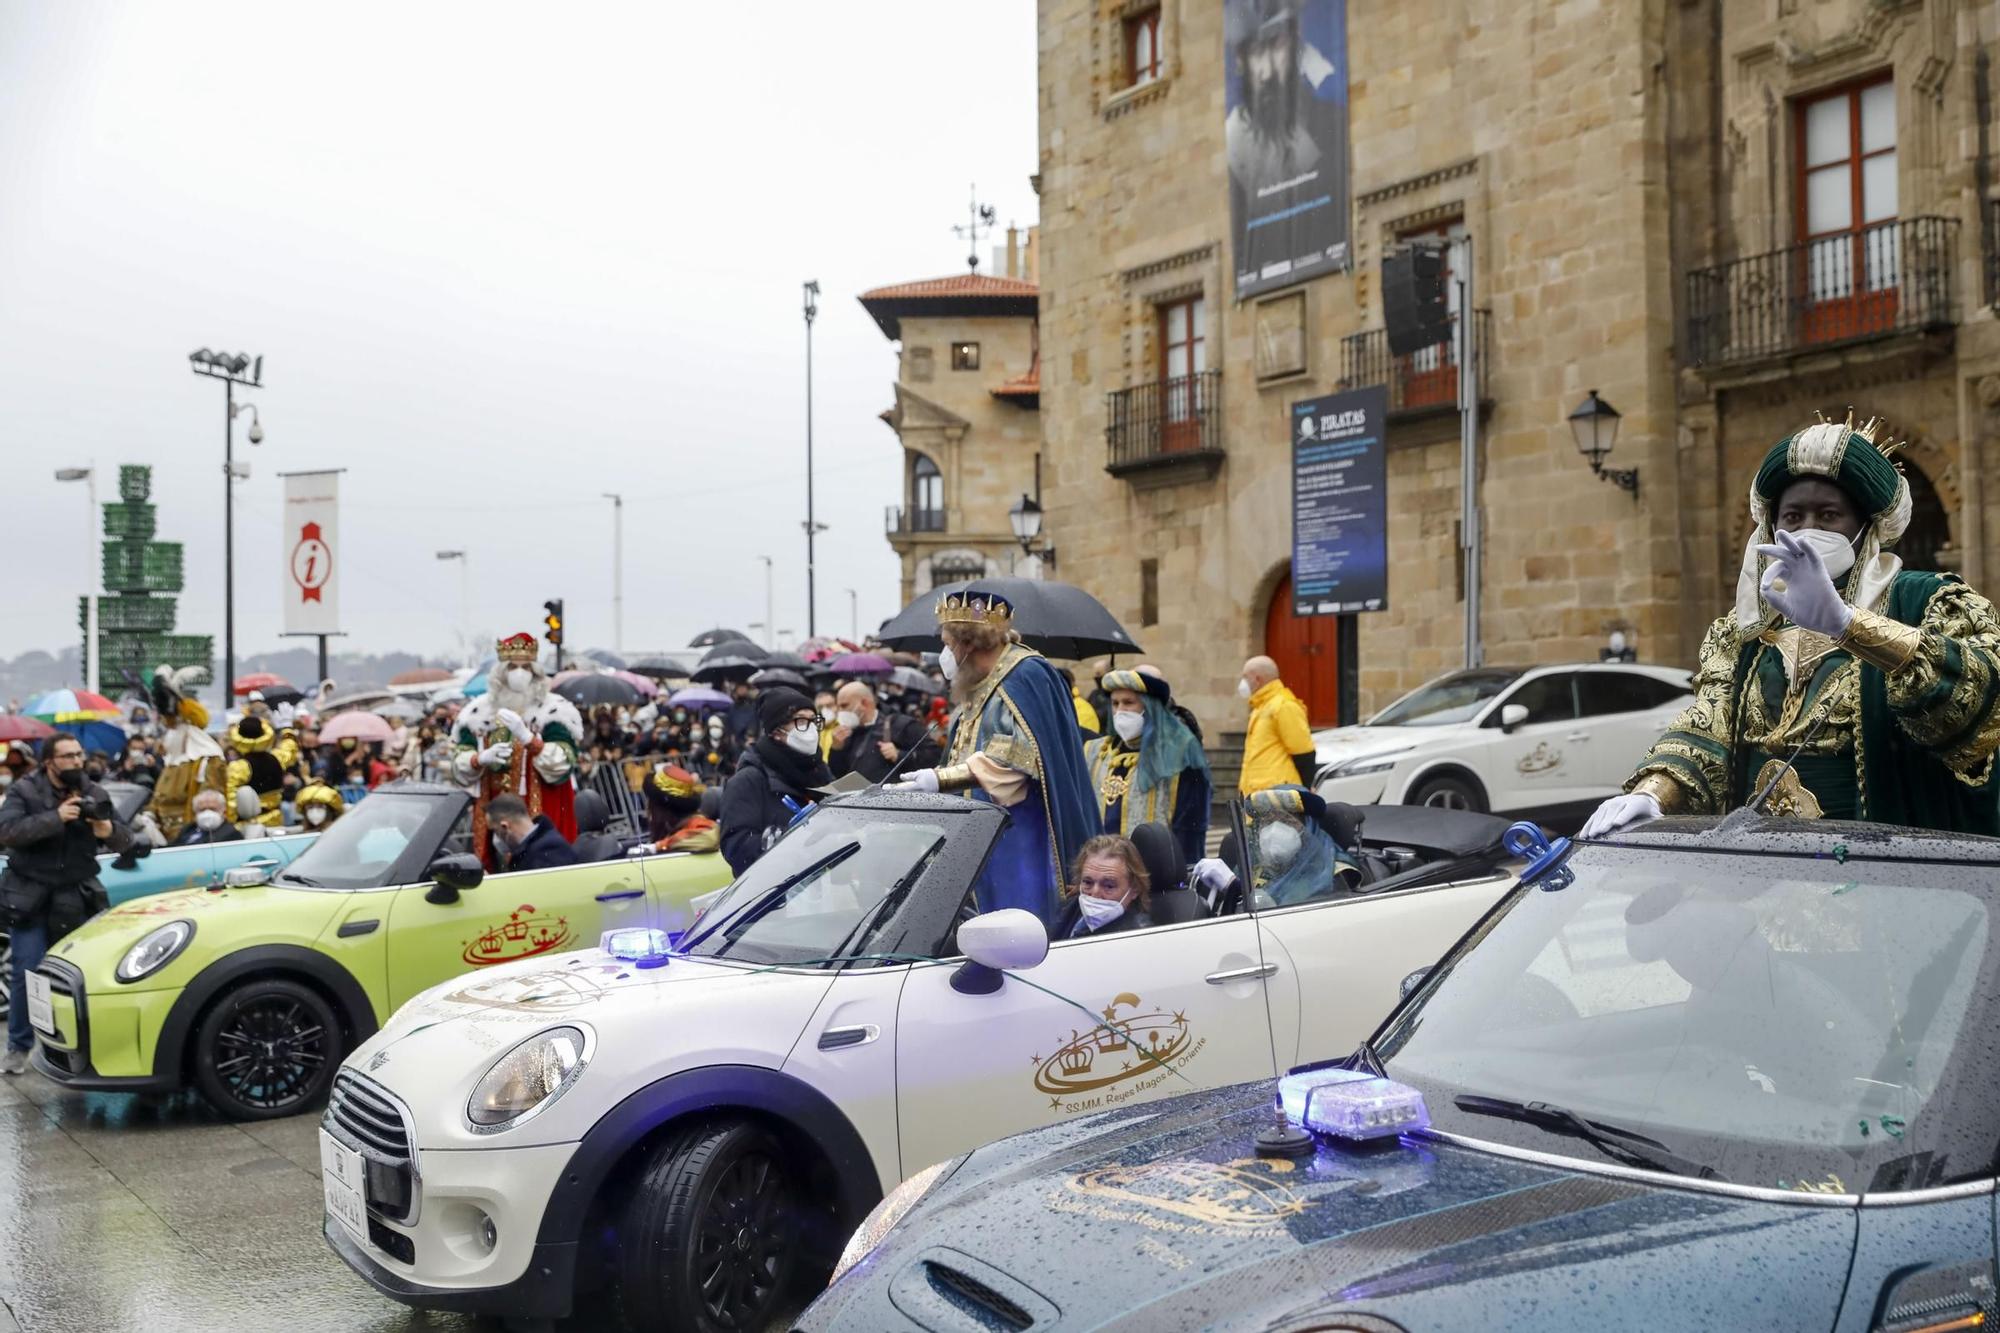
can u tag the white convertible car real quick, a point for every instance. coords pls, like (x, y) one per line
(1546, 743)
(695, 1132)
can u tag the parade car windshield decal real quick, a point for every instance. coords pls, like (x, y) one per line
(526, 932)
(1132, 1051)
(555, 988)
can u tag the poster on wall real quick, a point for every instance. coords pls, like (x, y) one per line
(1286, 130)
(1340, 503)
(310, 540)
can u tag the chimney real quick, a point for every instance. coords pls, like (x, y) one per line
(1013, 252)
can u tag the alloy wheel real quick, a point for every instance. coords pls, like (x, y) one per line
(740, 1251)
(270, 1051)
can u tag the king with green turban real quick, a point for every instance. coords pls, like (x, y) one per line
(1841, 685)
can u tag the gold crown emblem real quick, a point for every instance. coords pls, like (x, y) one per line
(974, 608)
(516, 648)
(1077, 1060)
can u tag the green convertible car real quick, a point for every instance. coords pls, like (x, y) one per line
(252, 991)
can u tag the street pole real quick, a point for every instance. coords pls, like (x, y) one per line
(770, 617)
(92, 661)
(853, 616)
(617, 570)
(812, 605)
(229, 543)
(1468, 461)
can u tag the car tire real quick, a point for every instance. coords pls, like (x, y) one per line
(1449, 792)
(711, 1236)
(267, 1048)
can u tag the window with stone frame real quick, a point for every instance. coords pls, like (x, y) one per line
(1845, 181)
(1183, 345)
(926, 495)
(965, 356)
(1429, 375)
(1142, 46)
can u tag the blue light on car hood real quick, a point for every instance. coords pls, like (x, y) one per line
(641, 946)
(1349, 1104)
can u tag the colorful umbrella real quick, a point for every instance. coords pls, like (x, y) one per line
(100, 737)
(61, 706)
(861, 664)
(259, 680)
(696, 696)
(14, 727)
(361, 726)
(475, 687)
(647, 687)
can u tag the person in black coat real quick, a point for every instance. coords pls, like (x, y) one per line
(871, 742)
(531, 842)
(209, 823)
(774, 781)
(1109, 891)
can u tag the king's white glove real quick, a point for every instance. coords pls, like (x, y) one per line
(1798, 587)
(514, 723)
(924, 779)
(497, 757)
(1621, 812)
(1212, 873)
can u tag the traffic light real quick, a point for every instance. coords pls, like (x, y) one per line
(554, 621)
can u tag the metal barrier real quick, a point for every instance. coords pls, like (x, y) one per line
(628, 807)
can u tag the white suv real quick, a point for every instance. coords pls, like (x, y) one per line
(701, 1130)
(1546, 743)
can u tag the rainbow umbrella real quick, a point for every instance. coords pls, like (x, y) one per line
(60, 706)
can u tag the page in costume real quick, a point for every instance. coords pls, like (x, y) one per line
(1162, 779)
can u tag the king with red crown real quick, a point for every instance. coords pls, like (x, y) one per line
(518, 738)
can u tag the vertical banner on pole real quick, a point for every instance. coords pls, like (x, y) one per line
(311, 547)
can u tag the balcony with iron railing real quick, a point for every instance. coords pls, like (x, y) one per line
(901, 522)
(1420, 382)
(1170, 425)
(1891, 279)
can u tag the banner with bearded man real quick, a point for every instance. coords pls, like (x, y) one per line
(518, 739)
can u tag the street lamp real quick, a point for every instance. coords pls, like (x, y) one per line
(232, 370)
(813, 529)
(617, 569)
(464, 599)
(1595, 426)
(90, 656)
(770, 618)
(1026, 516)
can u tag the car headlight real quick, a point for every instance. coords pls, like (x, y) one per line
(889, 1212)
(154, 951)
(1361, 768)
(527, 1078)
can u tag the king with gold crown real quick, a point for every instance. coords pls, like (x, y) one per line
(1840, 685)
(518, 738)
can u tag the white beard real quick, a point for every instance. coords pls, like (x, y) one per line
(524, 702)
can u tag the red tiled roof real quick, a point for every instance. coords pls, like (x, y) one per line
(1021, 385)
(957, 285)
(969, 294)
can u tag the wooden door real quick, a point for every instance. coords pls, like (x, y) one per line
(1307, 651)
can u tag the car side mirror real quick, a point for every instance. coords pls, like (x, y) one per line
(454, 874)
(992, 942)
(1412, 981)
(1512, 716)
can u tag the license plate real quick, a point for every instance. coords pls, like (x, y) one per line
(41, 1014)
(342, 1175)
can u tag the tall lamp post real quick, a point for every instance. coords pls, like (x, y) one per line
(770, 618)
(813, 528)
(90, 662)
(617, 570)
(464, 599)
(853, 615)
(232, 370)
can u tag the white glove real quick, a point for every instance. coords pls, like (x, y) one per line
(924, 779)
(1212, 873)
(552, 762)
(1622, 812)
(514, 723)
(497, 757)
(1798, 587)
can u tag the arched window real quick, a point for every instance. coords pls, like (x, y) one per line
(1929, 532)
(926, 496)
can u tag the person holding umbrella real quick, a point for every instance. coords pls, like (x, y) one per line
(776, 779)
(1014, 743)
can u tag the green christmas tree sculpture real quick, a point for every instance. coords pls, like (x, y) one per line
(135, 622)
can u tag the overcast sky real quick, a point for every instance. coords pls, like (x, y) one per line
(499, 259)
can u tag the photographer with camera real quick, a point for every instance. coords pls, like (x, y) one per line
(53, 823)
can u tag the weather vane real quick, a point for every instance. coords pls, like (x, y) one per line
(979, 220)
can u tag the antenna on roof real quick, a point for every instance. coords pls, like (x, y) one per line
(979, 220)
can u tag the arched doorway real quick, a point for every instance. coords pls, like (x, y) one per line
(1929, 532)
(1307, 651)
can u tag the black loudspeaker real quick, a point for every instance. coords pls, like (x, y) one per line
(1413, 304)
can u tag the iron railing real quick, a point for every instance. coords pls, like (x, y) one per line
(899, 520)
(1421, 381)
(1164, 422)
(1893, 277)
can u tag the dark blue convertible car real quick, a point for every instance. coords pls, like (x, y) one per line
(1737, 1076)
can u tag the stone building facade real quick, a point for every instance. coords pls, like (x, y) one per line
(967, 414)
(1632, 179)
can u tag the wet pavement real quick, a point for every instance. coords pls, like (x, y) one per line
(119, 1213)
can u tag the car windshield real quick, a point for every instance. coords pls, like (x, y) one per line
(1446, 700)
(360, 849)
(825, 890)
(1786, 1022)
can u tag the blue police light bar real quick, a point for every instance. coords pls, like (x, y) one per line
(642, 945)
(1349, 1104)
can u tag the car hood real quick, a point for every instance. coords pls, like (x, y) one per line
(1164, 1216)
(645, 1023)
(1340, 744)
(224, 920)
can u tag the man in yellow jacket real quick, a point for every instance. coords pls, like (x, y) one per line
(1278, 746)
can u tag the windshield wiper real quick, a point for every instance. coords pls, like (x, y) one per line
(764, 901)
(292, 877)
(1620, 1145)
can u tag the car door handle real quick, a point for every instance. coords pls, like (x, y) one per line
(620, 895)
(258, 862)
(1577, 736)
(1242, 974)
(834, 1039)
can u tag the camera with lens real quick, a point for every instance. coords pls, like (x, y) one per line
(99, 809)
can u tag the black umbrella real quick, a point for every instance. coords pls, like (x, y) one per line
(604, 657)
(781, 658)
(770, 676)
(912, 679)
(659, 666)
(1058, 619)
(718, 667)
(596, 690)
(743, 648)
(282, 694)
(708, 638)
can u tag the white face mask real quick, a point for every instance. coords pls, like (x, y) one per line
(948, 663)
(805, 742)
(1128, 725)
(1097, 912)
(1278, 845)
(1243, 689)
(209, 820)
(1835, 551)
(519, 679)
(848, 718)
(316, 815)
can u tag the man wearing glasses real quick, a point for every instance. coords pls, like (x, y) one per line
(775, 780)
(53, 823)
